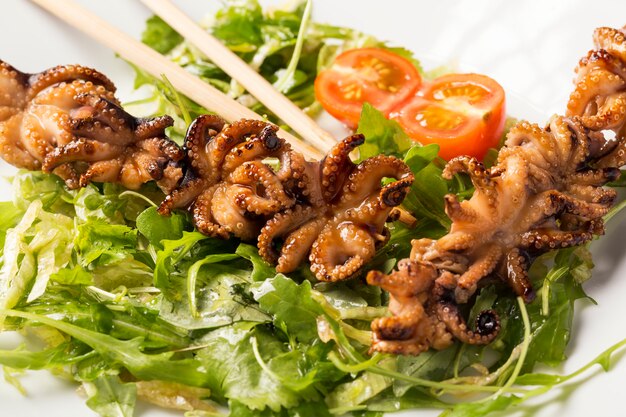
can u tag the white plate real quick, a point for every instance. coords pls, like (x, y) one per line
(530, 47)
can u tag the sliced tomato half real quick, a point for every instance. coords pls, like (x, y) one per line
(463, 113)
(372, 75)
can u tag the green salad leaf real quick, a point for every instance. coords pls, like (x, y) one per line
(109, 397)
(291, 305)
(382, 136)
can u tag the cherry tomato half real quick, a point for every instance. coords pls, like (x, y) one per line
(372, 75)
(463, 113)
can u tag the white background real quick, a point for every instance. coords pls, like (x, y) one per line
(530, 47)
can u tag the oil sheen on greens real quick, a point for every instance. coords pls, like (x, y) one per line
(130, 305)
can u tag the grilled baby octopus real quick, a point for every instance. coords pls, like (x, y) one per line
(342, 219)
(545, 192)
(227, 186)
(66, 120)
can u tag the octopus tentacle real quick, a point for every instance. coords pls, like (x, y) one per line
(232, 135)
(542, 239)
(12, 148)
(81, 150)
(282, 224)
(469, 165)
(340, 251)
(201, 214)
(183, 195)
(517, 263)
(296, 245)
(66, 74)
(250, 180)
(13, 91)
(147, 128)
(267, 143)
(101, 171)
(457, 212)
(596, 177)
(337, 165)
(487, 325)
(611, 40)
(199, 139)
(485, 261)
(366, 177)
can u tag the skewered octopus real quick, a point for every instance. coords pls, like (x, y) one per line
(66, 120)
(333, 208)
(545, 192)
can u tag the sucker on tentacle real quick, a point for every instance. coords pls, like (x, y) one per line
(544, 193)
(66, 120)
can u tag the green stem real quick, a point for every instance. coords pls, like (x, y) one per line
(523, 351)
(179, 101)
(547, 284)
(140, 196)
(192, 279)
(282, 83)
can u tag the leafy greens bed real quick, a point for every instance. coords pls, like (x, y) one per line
(134, 305)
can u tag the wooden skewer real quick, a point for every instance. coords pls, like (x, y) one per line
(239, 70)
(157, 65)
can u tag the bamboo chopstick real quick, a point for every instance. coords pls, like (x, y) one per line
(157, 65)
(239, 70)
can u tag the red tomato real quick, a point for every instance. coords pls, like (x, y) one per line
(463, 113)
(371, 75)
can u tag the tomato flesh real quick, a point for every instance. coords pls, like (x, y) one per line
(371, 75)
(463, 113)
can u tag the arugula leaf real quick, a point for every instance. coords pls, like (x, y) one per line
(221, 300)
(261, 270)
(109, 397)
(291, 305)
(236, 372)
(430, 365)
(23, 359)
(101, 243)
(162, 366)
(307, 409)
(160, 36)
(177, 256)
(351, 394)
(157, 228)
(482, 408)
(426, 199)
(382, 136)
(239, 24)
